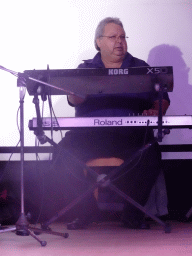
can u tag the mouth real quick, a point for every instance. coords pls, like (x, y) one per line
(119, 49)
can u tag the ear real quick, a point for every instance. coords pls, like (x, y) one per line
(98, 40)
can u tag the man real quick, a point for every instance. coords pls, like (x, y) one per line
(110, 41)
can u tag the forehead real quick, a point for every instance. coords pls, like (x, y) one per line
(113, 28)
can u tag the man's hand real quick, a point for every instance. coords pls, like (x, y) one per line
(150, 112)
(75, 100)
(154, 111)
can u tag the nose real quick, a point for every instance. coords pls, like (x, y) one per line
(119, 39)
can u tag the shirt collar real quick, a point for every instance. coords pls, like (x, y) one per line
(98, 63)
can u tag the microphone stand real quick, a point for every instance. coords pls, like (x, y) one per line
(22, 227)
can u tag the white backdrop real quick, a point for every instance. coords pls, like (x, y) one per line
(61, 33)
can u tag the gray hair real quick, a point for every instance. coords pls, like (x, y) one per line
(100, 28)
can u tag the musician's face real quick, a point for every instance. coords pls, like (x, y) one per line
(112, 46)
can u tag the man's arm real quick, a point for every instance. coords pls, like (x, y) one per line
(154, 111)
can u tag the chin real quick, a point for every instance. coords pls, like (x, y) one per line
(120, 57)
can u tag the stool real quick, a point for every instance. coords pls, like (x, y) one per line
(107, 200)
(157, 201)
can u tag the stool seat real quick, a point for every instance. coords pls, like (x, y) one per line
(110, 161)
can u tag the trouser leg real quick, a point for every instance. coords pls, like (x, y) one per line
(139, 180)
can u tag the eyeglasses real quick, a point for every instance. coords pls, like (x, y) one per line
(115, 38)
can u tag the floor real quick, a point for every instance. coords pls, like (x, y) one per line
(105, 238)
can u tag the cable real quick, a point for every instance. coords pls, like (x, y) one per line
(38, 158)
(37, 143)
(53, 112)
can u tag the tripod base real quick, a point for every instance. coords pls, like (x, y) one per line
(22, 228)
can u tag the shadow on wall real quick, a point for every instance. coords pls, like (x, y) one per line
(181, 97)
